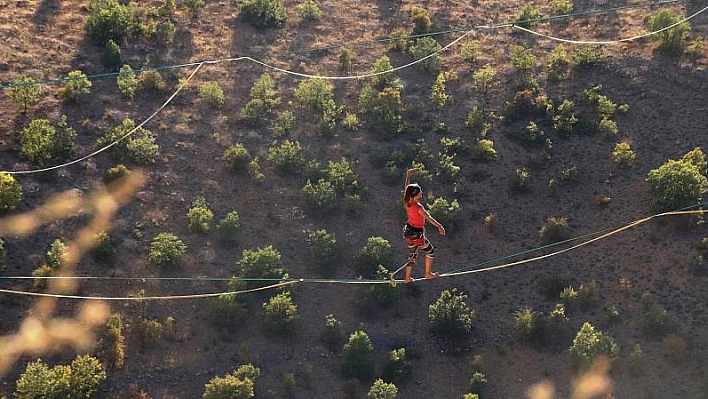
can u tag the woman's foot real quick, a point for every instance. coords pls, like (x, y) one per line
(407, 280)
(432, 275)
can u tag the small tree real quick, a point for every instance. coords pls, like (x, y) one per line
(398, 364)
(237, 157)
(261, 264)
(264, 97)
(200, 216)
(377, 251)
(483, 79)
(25, 92)
(323, 249)
(670, 40)
(358, 356)
(111, 58)
(151, 79)
(166, 249)
(109, 20)
(56, 255)
(623, 154)
(227, 310)
(228, 387)
(111, 346)
(287, 157)
(320, 197)
(127, 82)
(528, 16)
(333, 333)
(589, 344)
(10, 192)
(229, 225)
(212, 94)
(194, 6)
(427, 47)
(43, 144)
(263, 13)
(279, 315)
(309, 10)
(81, 379)
(76, 84)
(677, 183)
(450, 316)
(382, 390)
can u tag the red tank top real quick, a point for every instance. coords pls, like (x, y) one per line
(415, 219)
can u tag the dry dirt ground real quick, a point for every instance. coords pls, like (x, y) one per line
(643, 265)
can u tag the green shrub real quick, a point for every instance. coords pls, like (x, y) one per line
(345, 60)
(565, 118)
(421, 21)
(608, 127)
(350, 122)
(109, 20)
(333, 333)
(371, 297)
(558, 62)
(75, 85)
(589, 344)
(484, 150)
(56, 255)
(237, 157)
(127, 82)
(438, 94)
(358, 356)
(656, 322)
(111, 346)
(478, 381)
(382, 390)
(115, 174)
(677, 183)
(528, 16)
(449, 316)
(377, 251)
(623, 154)
(264, 97)
(227, 310)
(194, 6)
(561, 7)
(476, 121)
(26, 92)
(279, 314)
(165, 31)
(200, 216)
(314, 93)
(151, 79)
(670, 40)
(470, 50)
(43, 144)
(423, 47)
(261, 263)
(585, 56)
(446, 212)
(323, 250)
(283, 123)
(141, 147)
(263, 13)
(527, 324)
(286, 157)
(103, 247)
(149, 331)
(10, 192)
(229, 387)
(555, 229)
(320, 198)
(483, 79)
(38, 274)
(254, 171)
(166, 249)
(212, 94)
(81, 379)
(398, 365)
(519, 181)
(309, 10)
(111, 58)
(229, 225)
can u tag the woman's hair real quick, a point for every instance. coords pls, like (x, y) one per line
(411, 191)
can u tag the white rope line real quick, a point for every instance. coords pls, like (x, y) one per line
(628, 39)
(100, 150)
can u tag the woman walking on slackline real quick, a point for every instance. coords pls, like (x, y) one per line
(414, 230)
